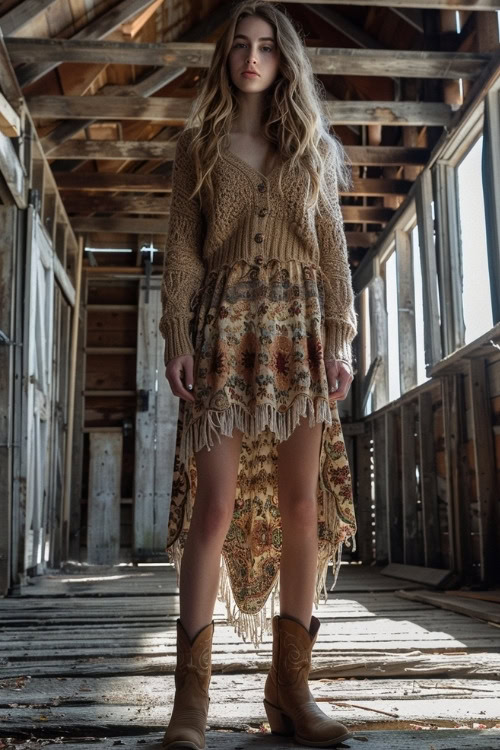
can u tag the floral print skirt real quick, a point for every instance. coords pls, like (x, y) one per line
(258, 333)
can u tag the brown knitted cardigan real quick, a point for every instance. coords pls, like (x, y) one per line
(246, 219)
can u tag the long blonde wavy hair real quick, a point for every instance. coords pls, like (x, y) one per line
(295, 121)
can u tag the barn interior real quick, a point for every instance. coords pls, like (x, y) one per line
(93, 95)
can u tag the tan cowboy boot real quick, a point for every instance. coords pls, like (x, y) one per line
(192, 678)
(290, 706)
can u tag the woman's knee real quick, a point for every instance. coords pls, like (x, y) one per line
(300, 511)
(211, 518)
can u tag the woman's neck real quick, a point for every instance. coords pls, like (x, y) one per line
(249, 119)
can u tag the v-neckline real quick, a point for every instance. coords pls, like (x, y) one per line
(228, 153)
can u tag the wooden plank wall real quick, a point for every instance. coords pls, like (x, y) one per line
(108, 358)
(8, 256)
(436, 473)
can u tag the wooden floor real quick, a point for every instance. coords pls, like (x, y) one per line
(87, 659)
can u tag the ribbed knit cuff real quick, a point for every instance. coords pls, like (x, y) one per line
(338, 337)
(177, 339)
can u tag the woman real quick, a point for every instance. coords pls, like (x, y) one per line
(258, 320)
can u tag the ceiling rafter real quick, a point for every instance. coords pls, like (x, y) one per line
(22, 14)
(481, 5)
(324, 60)
(175, 111)
(96, 29)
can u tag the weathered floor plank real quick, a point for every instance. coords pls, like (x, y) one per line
(99, 665)
(239, 712)
(429, 739)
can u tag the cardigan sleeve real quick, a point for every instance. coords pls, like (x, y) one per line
(340, 315)
(183, 268)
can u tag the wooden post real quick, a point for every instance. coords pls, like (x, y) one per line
(460, 554)
(74, 532)
(411, 545)
(364, 537)
(428, 483)
(432, 334)
(394, 502)
(8, 246)
(380, 479)
(378, 320)
(71, 408)
(484, 460)
(406, 312)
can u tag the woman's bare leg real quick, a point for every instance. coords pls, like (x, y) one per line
(217, 471)
(298, 468)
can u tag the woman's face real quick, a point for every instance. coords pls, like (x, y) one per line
(254, 48)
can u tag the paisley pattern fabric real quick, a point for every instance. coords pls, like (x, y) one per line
(258, 334)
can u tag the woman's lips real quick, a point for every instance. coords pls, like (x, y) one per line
(250, 75)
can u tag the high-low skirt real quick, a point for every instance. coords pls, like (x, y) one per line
(258, 332)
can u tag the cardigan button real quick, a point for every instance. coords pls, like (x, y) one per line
(259, 259)
(261, 187)
(263, 212)
(259, 237)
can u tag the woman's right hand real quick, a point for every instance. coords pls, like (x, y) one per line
(179, 373)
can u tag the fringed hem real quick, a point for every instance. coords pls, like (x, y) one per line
(248, 625)
(200, 433)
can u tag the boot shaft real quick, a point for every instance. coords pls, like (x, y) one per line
(194, 659)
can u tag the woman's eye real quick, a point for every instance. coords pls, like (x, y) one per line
(242, 44)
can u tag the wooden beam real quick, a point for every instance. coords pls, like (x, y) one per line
(165, 150)
(377, 187)
(128, 204)
(172, 111)
(378, 156)
(96, 29)
(120, 225)
(131, 28)
(12, 171)
(324, 60)
(175, 111)
(350, 30)
(431, 4)
(10, 123)
(375, 214)
(123, 181)
(8, 81)
(136, 150)
(412, 16)
(361, 239)
(22, 14)
(150, 85)
(158, 226)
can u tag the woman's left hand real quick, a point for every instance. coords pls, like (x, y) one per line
(337, 370)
